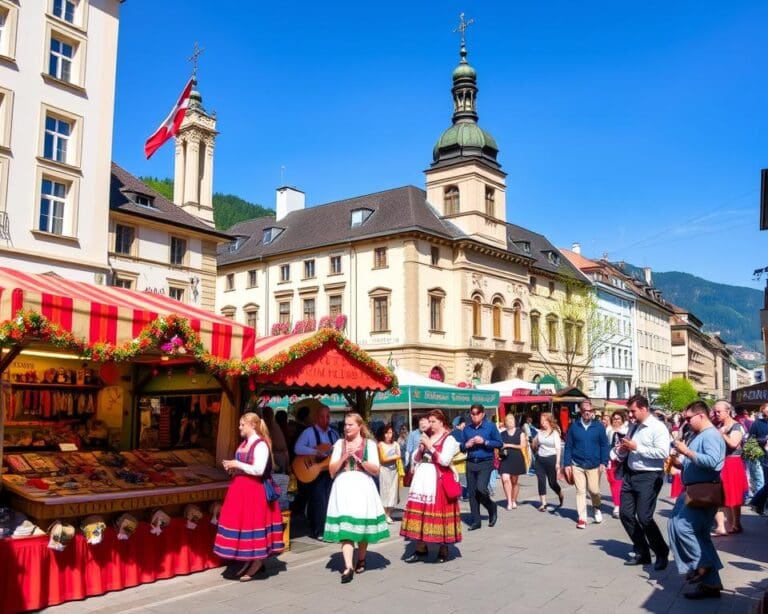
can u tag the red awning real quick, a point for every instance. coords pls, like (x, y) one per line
(105, 314)
(324, 359)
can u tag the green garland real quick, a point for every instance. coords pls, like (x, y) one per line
(173, 336)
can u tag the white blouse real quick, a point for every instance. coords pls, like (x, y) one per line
(260, 458)
(549, 445)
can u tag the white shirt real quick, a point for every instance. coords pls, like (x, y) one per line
(652, 439)
(260, 457)
(549, 445)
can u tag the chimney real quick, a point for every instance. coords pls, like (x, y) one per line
(287, 200)
(648, 275)
(576, 248)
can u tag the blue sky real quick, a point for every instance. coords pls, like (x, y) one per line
(637, 128)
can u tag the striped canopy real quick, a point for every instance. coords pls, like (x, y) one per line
(105, 314)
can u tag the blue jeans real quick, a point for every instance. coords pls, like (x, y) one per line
(691, 543)
(759, 500)
(756, 477)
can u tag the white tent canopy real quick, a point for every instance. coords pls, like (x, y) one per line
(410, 378)
(506, 387)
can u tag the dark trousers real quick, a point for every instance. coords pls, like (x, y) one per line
(761, 496)
(478, 475)
(546, 471)
(317, 505)
(639, 493)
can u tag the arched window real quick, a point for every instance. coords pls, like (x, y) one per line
(535, 330)
(437, 374)
(490, 201)
(477, 318)
(451, 200)
(552, 332)
(497, 318)
(516, 327)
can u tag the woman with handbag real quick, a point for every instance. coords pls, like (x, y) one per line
(432, 511)
(250, 526)
(389, 478)
(513, 464)
(700, 462)
(734, 473)
(355, 513)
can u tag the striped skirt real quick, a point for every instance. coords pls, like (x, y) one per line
(250, 527)
(355, 512)
(429, 516)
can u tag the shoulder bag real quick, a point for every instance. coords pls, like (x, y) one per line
(704, 494)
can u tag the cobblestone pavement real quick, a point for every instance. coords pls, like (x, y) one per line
(529, 562)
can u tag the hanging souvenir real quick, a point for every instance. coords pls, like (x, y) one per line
(159, 521)
(60, 535)
(93, 528)
(193, 515)
(215, 511)
(126, 525)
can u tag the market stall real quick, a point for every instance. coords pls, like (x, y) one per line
(750, 397)
(76, 361)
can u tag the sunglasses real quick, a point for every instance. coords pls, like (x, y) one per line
(476, 413)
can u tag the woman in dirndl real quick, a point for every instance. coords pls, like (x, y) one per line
(430, 517)
(250, 527)
(355, 513)
(734, 473)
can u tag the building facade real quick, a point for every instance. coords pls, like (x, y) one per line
(436, 279)
(57, 94)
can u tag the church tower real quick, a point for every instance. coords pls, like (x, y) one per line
(465, 181)
(193, 168)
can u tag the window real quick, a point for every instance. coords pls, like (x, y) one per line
(229, 312)
(309, 309)
(178, 250)
(551, 288)
(380, 314)
(176, 293)
(516, 324)
(579, 337)
(3, 27)
(270, 234)
(451, 200)
(380, 258)
(490, 202)
(53, 201)
(335, 265)
(8, 19)
(532, 284)
(124, 236)
(252, 278)
(285, 272)
(309, 269)
(568, 294)
(284, 312)
(434, 255)
(570, 341)
(436, 301)
(65, 10)
(145, 201)
(359, 216)
(60, 59)
(230, 283)
(552, 333)
(57, 133)
(535, 331)
(497, 319)
(252, 318)
(477, 317)
(334, 305)
(122, 282)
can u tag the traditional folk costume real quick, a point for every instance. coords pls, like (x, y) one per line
(389, 480)
(355, 512)
(250, 527)
(429, 516)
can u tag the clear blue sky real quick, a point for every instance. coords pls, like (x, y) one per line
(637, 128)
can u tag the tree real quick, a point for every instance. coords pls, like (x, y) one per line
(677, 394)
(574, 332)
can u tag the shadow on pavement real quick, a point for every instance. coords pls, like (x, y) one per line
(373, 561)
(613, 547)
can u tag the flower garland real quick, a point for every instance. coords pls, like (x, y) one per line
(174, 336)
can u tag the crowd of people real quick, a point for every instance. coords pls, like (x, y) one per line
(352, 496)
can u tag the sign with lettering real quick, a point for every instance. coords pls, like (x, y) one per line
(754, 395)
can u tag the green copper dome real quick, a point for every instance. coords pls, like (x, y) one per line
(465, 135)
(464, 71)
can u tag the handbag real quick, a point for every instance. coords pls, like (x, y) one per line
(271, 489)
(449, 483)
(407, 478)
(704, 494)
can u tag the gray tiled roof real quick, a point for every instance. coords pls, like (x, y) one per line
(163, 210)
(397, 210)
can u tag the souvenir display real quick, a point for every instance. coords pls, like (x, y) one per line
(125, 526)
(159, 521)
(193, 515)
(60, 535)
(93, 529)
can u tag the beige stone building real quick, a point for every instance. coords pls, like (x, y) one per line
(57, 94)
(436, 279)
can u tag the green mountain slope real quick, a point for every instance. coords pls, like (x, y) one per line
(228, 209)
(734, 311)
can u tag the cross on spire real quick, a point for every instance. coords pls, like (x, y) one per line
(462, 27)
(197, 51)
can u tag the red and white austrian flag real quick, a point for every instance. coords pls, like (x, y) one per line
(170, 126)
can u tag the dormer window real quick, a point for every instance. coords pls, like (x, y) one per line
(144, 201)
(553, 257)
(360, 216)
(236, 244)
(270, 234)
(525, 246)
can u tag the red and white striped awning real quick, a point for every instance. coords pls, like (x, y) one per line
(105, 314)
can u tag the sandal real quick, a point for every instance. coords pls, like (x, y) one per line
(543, 507)
(360, 568)
(718, 534)
(347, 576)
